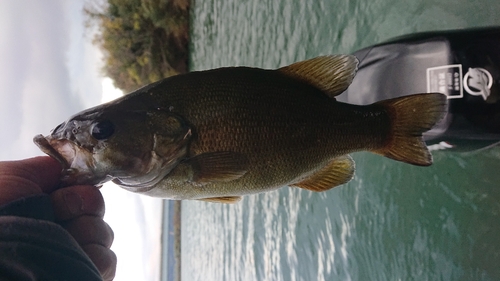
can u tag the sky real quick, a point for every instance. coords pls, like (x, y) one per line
(49, 71)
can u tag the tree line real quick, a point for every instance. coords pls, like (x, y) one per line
(143, 41)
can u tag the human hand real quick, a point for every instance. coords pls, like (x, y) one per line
(79, 209)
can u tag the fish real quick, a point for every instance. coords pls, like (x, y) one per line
(220, 134)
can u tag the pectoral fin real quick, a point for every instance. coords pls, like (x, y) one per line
(337, 172)
(218, 166)
(224, 200)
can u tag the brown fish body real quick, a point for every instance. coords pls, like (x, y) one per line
(247, 130)
(286, 129)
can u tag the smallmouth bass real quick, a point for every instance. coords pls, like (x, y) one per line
(219, 134)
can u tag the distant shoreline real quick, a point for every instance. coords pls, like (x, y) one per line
(171, 241)
(177, 238)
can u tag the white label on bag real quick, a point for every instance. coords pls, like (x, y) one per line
(446, 79)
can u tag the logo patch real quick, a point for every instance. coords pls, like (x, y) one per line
(478, 82)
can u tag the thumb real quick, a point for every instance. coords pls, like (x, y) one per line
(28, 177)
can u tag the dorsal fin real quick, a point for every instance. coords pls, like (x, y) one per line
(331, 74)
(337, 172)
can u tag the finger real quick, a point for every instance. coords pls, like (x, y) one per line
(74, 201)
(90, 230)
(103, 258)
(28, 177)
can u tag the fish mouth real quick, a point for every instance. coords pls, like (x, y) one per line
(76, 161)
(46, 148)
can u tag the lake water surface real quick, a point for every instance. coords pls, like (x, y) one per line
(393, 221)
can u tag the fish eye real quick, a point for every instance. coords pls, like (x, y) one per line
(103, 129)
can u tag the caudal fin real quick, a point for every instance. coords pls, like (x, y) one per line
(411, 116)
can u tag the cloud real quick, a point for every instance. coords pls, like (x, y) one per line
(49, 71)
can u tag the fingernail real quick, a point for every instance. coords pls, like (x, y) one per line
(74, 202)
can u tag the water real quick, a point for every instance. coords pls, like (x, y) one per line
(392, 221)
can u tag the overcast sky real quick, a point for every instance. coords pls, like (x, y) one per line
(49, 70)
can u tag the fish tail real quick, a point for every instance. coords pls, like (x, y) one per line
(411, 116)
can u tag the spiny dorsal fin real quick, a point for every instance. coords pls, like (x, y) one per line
(224, 200)
(218, 166)
(337, 172)
(331, 74)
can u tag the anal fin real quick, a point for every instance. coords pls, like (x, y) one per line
(337, 172)
(224, 200)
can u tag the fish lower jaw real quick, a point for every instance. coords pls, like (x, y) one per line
(66, 174)
(134, 187)
(73, 176)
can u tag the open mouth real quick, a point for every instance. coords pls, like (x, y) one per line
(45, 146)
(75, 161)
